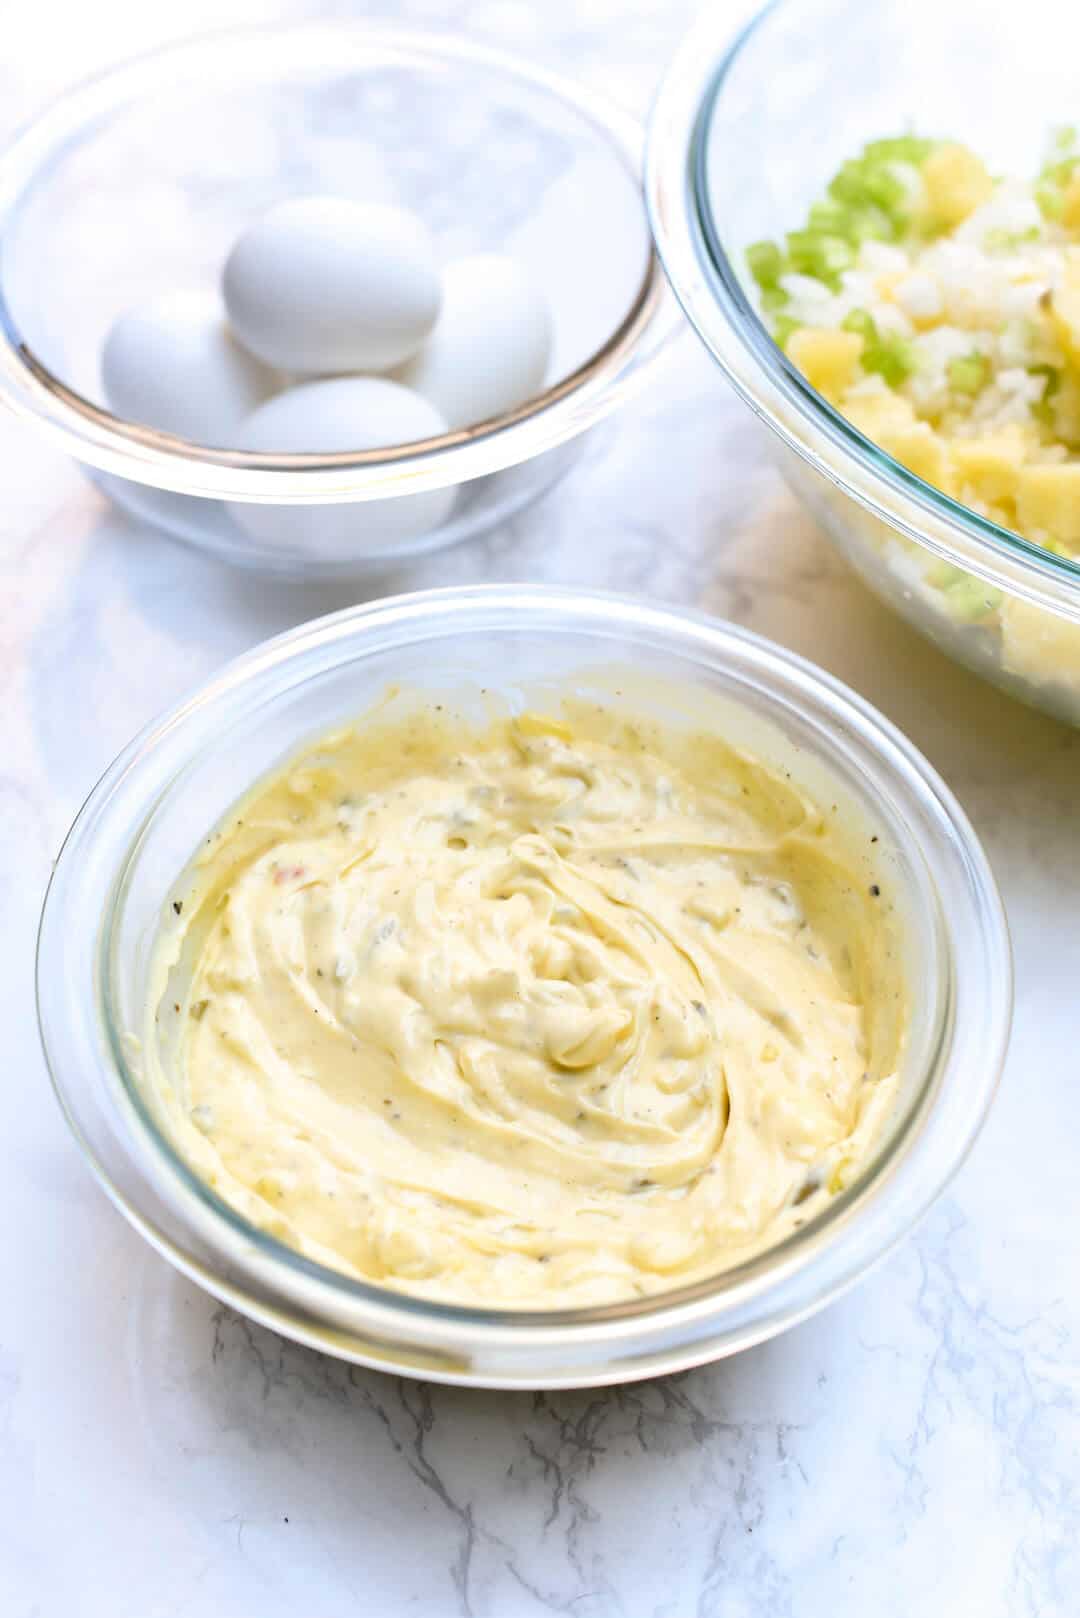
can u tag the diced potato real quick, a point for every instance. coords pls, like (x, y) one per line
(1048, 500)
(922, 451)
(1070, 205)
(956, 184)
(990, 466)
(1038, 643)
(827, 359)
(878, 413)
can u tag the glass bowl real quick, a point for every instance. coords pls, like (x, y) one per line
(747, 131)
(134, 837)
(140, 180)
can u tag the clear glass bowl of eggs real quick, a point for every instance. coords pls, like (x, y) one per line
(323, 298)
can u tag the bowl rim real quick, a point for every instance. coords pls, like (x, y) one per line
(789, 1280)
(710, 290)
(613, 372)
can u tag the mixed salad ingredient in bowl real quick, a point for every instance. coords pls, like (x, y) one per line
(938, 307)
(609, 998)
(924, 392)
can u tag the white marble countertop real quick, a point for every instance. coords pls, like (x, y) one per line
(913, 1449)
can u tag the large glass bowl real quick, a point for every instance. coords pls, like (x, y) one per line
(136, 834)
(139, 181)
(748, 128)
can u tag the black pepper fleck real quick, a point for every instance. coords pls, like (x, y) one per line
(178, 905)
(875, 891)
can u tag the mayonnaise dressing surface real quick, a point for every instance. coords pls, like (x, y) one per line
(549, 1011)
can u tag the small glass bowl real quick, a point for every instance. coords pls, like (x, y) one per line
(134, 837)
(140, 180)
(747, 130)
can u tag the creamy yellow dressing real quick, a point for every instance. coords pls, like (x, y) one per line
(555, 1010)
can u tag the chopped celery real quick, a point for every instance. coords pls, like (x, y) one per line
(971, 599)
(1005, 241)
(823, 257)
(968, 373)
(870, 183)
(866, 201)
(883, 187)
(1057, 171)
(892, 358)
(836, 255)
(862, 323)
(900, 149)
(765, 262)
(1060, 172)
(829, 219)
(1050, 197)
(856, 224)
(847, 184)
(773, 298)
(943, 575)
(872, 223)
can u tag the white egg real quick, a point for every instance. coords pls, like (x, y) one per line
(491, 344)
(343, 413)
(172, 363)
(323, 284)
